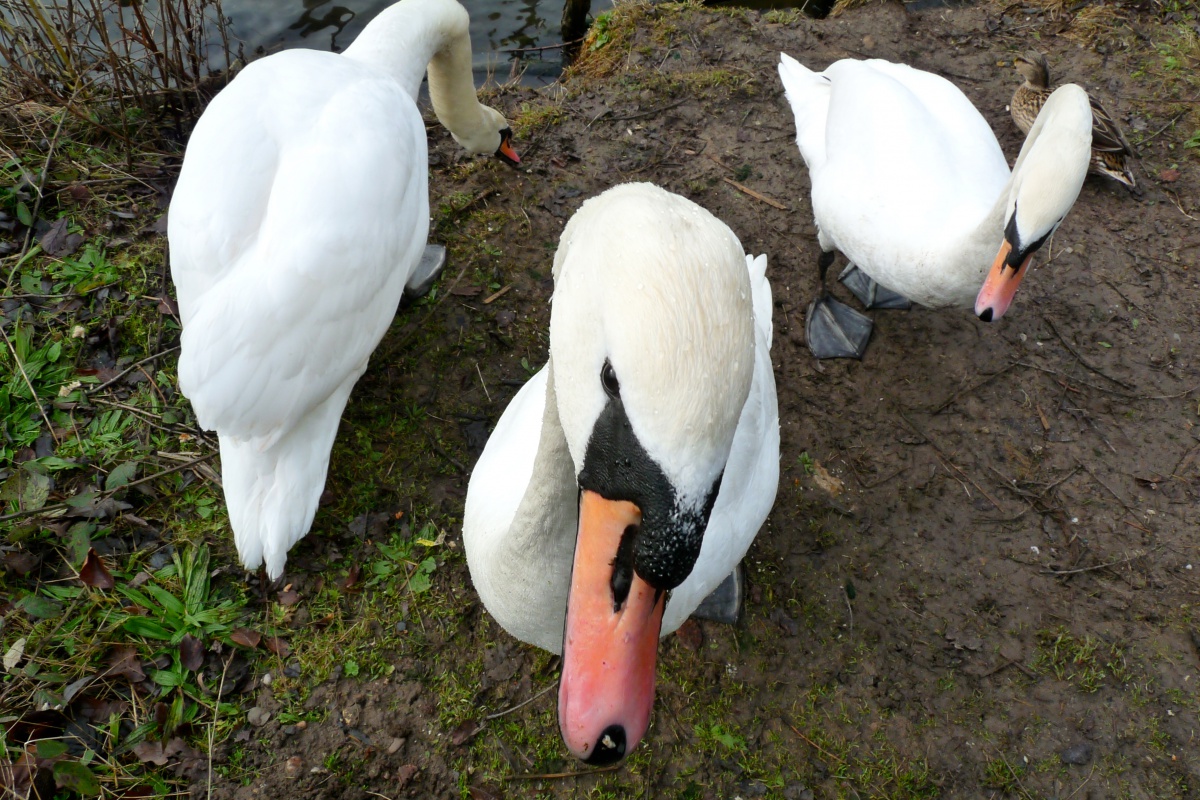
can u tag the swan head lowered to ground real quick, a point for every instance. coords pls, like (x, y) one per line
(299, 219)
(1045, 182)
(627, 479)
(909, 182)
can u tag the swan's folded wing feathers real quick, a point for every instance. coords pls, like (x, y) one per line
(760, 289)
(270, 340)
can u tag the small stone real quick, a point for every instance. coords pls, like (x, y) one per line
(258, 716)
(394, 746)
(291, 671)
(293, 766)
(405, 774)
(868, 42)
(288, 730)
(301, 725)
(1077, 754)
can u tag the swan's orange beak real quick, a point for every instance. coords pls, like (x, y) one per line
(505, 151)
(609, 650)
(1001, 285)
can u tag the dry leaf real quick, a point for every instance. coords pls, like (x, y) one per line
(123, 660)
(13, 656)
(245, 637)
(465, 732)
(277, 646)
(826, 481)
(94, 573)
(191, 652)
(1169, 175)
(289, 597)
(150, 752)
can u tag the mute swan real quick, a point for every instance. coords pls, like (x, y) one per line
(1110, 150)
(909, 183)
(299, 219)
(638, 463)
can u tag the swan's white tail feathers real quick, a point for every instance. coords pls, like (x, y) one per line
(760, 289)
(808, 93)
(272, 491)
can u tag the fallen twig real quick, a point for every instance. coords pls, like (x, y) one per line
(756, 195)
(969, 389)
(499, 714)
(552, 775)
(130, 369)
(1127, 559)
(1081, 359)
(41, 187)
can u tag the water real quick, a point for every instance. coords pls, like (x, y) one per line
(498, 27)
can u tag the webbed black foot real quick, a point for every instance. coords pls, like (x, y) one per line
(433, 260)
(835, 330)
(726, 601)
(871, 293)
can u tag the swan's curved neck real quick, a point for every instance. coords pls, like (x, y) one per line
(530, 563)
(410, 36)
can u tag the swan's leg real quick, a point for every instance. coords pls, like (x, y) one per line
(725, 602)
(834, 329)
(422, 278)
(871, 293)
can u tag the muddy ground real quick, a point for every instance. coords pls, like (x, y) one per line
(982, 573)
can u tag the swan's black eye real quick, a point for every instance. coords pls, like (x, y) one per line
(608, 377)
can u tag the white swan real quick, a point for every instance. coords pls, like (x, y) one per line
(641, 459)
(299, 218)
(909, 182)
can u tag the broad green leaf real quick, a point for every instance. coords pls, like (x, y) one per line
(38, 606)
(141, 626)
(79, 540)
(24, 214)
(196, 580)
(121, 475)
(166, 677)
(170, 602)
(34, 488)
(51, 748)
(54, 351)
(76, 777)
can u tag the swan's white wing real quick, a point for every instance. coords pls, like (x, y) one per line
(299, 212)
(751, 474)
(906, 150)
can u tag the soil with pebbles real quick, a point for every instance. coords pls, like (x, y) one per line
(984, 558)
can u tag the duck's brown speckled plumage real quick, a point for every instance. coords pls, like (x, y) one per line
(1111, 152)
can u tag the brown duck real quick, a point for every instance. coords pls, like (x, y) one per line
(1111, 152)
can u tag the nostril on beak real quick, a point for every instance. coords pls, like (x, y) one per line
(610, 747)
(986, 314)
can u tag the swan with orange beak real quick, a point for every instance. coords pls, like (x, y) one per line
(626, 480)
(909, 182)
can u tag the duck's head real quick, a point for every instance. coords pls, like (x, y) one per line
(1045, 183)
(1034, 69)
(651, 338)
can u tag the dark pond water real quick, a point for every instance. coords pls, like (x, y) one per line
(498, 27)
